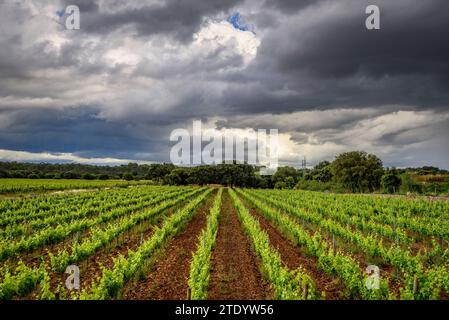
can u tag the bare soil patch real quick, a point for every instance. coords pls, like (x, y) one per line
(168, 279)
(235, 274)
(294, 257)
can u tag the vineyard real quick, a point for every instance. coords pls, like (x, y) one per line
(134, 241)
(13, 186)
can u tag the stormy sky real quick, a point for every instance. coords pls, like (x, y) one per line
(113, 91)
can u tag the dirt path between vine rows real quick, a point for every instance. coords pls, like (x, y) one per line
(293, 257)
(168, 278)
(235, 274)
(353, 251)
(91, 267)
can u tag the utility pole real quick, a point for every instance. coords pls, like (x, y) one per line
(304, 166)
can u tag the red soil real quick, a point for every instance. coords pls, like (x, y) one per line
(293, 257)
(235, 274)
(168, 279)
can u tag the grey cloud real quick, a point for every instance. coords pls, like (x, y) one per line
(179, 19)
(304, 122)
(313, 56)
(326, 58)
(290, 6)
(78, 131)
(413, 40)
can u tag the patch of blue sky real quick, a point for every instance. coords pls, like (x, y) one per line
(236, 19)
(60, 13)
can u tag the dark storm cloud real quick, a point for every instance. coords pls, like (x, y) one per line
(326, 58)
(314, 55)
(85, 6)
(290, 6)
(79, 131)
(414, 39)
(289, 94)
(173, 17)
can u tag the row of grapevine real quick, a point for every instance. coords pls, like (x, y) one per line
(40, 208)
(200, 266)
(412, 267)
(336, 263)
(54, 235)
(113, 280)
(341, 216)
(399, 254)
(286, 284)
(25, 278)
(103, 236)
(45, 202)
(338, 212)
(380, 211)
(88, 211)
(370, 243)
(29, 185)
(406, 207)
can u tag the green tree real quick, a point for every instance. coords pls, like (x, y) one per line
(321, 172)
(4, 174)
(283, 172)
(70, 175)
(280, 185)
(358, 171)
(177, 177)
(409, 185)
(158, 171)
(88, 176)
(289, 182)
(128, 177)
(33, 176)
(391, 181)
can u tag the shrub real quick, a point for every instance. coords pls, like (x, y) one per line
(128, 177)
(391, 182)
(88, 176)
(280, 185)
(408, 185)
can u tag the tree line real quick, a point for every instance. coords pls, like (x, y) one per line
(131, 171)
(355, 171)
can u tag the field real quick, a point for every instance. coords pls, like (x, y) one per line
(24, 186)
(147, 242)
